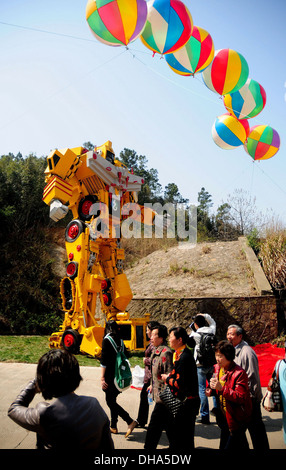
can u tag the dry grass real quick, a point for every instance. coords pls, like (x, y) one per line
(138, 248)
(273, 256)
(206, 249)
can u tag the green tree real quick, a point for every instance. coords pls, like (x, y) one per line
(205, 222)
(205, 201)
(172, 194)
(22, 182)
(224, 229)
(29, 301)
(151, 189)
(88, 145)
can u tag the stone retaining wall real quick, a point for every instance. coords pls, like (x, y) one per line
(257, 315)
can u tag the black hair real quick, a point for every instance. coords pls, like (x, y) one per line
(112, 328)
(226, 348)
(57, 373)
(180, 332)
(153, 324)
(162, 331)
(200, 320)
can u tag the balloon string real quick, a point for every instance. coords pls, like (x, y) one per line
(252, 176)
(37, 30)
(51, 96)
(169, 79)
(274, 182)
(182, 86)
(92, 40)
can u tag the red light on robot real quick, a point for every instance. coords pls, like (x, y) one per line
(104, 284)
(72, 269)
(71, 256)
(78, 247)
(107, 299)
(73, 231)
(68, 340)
(86, 207)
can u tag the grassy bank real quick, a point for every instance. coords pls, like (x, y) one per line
(29, 349)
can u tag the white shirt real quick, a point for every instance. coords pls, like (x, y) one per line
(197, 335)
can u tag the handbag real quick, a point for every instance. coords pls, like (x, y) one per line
(267, 401)
(170, 401)
(272, 400)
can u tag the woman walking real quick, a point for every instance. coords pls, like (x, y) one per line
(108, 357)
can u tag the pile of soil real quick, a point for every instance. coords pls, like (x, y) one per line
(218, 269)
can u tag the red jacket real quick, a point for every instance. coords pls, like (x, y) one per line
(237, 396)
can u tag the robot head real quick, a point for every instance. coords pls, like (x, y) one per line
(61, 162)
(106, 151)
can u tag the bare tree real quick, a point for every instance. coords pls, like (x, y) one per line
(243, 212)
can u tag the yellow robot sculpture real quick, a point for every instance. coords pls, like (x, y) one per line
(95, 187)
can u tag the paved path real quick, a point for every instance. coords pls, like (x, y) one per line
(14, 376)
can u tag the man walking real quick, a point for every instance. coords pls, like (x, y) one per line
(203, 324)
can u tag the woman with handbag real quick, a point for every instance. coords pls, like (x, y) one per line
(143, 411)
(183, 384)
(230, 383)
(161, 363)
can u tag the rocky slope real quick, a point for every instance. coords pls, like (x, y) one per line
(205, 270)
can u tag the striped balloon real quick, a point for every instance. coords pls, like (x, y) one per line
(228, 132)
(227, 73)
(169, 26)
(246, 102)
(116, 22)
(195, 56)
(262, 143)
(245, 124)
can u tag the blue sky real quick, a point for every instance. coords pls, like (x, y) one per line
(62, 87)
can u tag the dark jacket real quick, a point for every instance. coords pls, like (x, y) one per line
(236, 393)
(108, 357)
(69, 422)
(183, 379)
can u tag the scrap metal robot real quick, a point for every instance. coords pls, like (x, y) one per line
(95, 186)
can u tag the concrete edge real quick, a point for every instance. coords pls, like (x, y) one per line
(261, 282)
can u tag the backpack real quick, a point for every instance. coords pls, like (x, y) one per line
(206, 350)
(123, 374)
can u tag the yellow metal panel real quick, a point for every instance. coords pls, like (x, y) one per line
(92, 340)
(57, 189)
(92, 283)
(122, 291)
(120, 253)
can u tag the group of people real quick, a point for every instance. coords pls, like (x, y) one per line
(171, 365)
(172, 359)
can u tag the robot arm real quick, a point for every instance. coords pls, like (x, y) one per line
(58, 210)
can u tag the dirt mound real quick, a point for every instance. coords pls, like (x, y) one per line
(204, 270)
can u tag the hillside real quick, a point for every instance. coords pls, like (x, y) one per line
(206, 270)
(214, 269)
